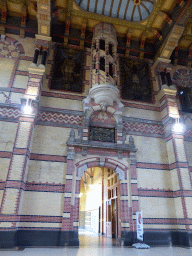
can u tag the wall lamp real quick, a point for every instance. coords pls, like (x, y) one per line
(177, 126)
(27, 109)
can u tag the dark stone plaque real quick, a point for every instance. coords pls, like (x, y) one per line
(102, 134)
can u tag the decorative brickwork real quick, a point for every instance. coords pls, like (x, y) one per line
(144, 128)
(59, 118)
(11, 113)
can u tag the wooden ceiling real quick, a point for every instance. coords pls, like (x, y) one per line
(154, 24)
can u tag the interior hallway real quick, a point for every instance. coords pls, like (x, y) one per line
(94, 245)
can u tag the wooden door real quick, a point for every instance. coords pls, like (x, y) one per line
(108, 219)
(113, 218)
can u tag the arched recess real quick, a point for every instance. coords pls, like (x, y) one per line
(72, 189)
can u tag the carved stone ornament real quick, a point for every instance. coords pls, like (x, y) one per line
(132, 159)
(71, 136)
(104, 95)
(131, 142)
(70, 155)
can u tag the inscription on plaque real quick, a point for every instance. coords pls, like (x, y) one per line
(102, 134)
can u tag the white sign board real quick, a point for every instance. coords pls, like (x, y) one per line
(139, 219)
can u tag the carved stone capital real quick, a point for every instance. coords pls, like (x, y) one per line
(132, 158)
(70, 155)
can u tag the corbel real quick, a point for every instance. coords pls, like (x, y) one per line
(128, 42)
(165, 17)
(156, 33)
(142, 44)
(67, 28)
(82, 37)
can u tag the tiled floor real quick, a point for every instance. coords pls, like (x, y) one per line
(93, 245)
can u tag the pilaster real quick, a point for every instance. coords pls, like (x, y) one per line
(11, 205)
(180, 173)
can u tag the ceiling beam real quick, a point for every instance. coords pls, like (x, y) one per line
(88, 3)
(139, 12)
(111, 7)
(126, 8)
(119, 8)
(96, 2)
(145, 8)
(133, 12)
(174, 36)
(154, 13)
(104, 2)
(44, 17)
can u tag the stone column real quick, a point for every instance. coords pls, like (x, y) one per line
(44, 54)
(107, 61)
(97, 63)
(36, 54)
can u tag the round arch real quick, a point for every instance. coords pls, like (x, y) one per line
(110, 163)
(72, 190)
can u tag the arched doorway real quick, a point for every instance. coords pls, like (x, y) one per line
(99, 207)
(75, 172)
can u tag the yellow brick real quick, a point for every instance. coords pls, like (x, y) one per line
(24, 65)
(44, 171)
(39, 225)
(170, 151)
(6, 224)
(42, 203)
(4, 166)
(160, 207)
(141, 113)
(6, 67)
(151, 150)
(188, 146)
(178, 207)
(16, 97)
(10, 201)
(1, 195)
(185, 178)
(180, 150)
(156, 226)
(175, 180)
(125, 225)
(188, 201)
(16, 167)
(50, 140)
(23, 135)
(154, 179)
(20, 81)
(7, 135)
(61, 103)
(87, 75)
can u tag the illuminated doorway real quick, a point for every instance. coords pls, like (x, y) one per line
(99, 203)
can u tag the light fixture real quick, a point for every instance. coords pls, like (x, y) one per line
(28, 108)
(178, 127)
